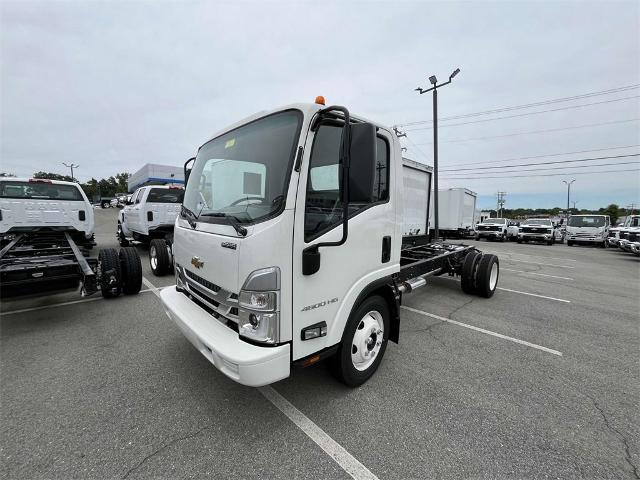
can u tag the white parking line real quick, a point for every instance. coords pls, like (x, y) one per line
(516, 291)
(482, 330)
(73, 302)
(537, 274)
(348, 462)
(535, 295)
(538, 263)
(534, 256)
(332, 448)
(151, 286)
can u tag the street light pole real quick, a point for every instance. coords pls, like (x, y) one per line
(434, 82)
(568, 194)
(71, 166)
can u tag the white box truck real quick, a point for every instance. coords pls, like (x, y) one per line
(416, 183)
(457, 209)
(289, 247)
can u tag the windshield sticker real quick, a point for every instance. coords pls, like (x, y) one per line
(230, 143)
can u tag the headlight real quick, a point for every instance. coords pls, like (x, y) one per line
(259, 307)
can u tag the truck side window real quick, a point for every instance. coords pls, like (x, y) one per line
(139, 195)
(323, 208)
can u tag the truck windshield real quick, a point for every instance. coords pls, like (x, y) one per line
(586, 221)
(494, 220)
(165, 195)
(538, 221)
(40, 191)
(244, 173)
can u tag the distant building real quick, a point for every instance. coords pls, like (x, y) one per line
(155, 174)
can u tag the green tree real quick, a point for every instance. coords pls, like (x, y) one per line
(52, 176)
(613, 211)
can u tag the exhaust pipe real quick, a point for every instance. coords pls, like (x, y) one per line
(414, 283)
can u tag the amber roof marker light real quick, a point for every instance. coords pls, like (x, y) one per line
(320, 100)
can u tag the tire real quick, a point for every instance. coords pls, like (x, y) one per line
(110, 274)
(477, 238)
(503, 237)
(159, 257)
(468, 274)
(603, 244)
(569, 243)
(366, 323)
(519, 240)
(487, 275)
(549, 242)
(122, 240)
(105, 204)
(131, 270)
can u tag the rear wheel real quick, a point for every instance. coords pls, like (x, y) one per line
(468, 274)
(159, 259)
(487, 275)
(131, 270)
(569, 243)
(109, 271)
(519, 240)
(363, 343)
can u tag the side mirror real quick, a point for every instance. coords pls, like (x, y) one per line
(187, 171)
(362, 166)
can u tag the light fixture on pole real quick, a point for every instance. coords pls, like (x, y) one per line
(568, 194)
(434, 81)
(71, 166)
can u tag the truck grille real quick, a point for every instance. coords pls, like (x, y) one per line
(534, 230)
(221, 302)
(489, 228)
(624, 234)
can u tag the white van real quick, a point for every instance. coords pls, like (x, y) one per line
(588, 229)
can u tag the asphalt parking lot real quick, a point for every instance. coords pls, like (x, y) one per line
(540, 381)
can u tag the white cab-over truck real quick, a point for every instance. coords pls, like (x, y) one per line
(149, 217)
(46, 232)
(592, 229)
(289, 247)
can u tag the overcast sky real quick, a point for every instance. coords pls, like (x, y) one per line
(114, 85)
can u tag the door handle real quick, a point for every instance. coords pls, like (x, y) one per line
(386, 249)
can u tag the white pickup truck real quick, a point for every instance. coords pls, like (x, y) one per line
(593, 229)
(540, 230)
(496, 229)
(149, 217)
(629, 235)
(46, 232)
(284, 257)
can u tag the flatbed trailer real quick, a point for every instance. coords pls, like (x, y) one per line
(43, 260)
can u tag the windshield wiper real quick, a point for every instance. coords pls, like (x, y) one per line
(189, 216)
(233, 221)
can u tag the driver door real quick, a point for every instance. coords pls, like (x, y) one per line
(328, 295)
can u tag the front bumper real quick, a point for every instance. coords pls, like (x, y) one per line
(488, 234)
(247, 364)
(586, 238)
(541, 237)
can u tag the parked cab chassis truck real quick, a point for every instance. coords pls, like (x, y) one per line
(289, 247)
(45, 240)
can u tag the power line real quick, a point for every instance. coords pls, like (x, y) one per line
(552, 168)
(418, 148)
(543, 174)
(528, 105)
(570, 107)
(546, 163)
(538, 156)
(515, 134)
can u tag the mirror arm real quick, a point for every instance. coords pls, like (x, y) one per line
(187, 171)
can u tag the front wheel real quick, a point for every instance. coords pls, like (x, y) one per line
(122, 240)
(569, 243)
(363, 343)
(109, 272)
(159, 259)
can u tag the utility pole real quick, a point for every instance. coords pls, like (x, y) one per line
(568, 194)
(434, 81)
(502, 199)
(632, 207)
(71, 166)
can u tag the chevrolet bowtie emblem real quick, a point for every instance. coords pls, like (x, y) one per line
(196, 262)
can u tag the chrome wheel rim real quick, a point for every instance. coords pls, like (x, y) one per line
(153, 257)
(367, 340)
(493, 279)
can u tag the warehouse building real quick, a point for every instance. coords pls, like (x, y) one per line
(155, 174)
